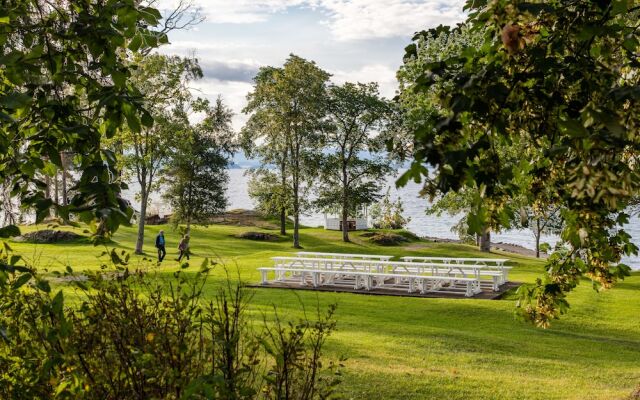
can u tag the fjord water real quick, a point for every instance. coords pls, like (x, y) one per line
(421, 223)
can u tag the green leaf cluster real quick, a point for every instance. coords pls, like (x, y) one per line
(64, 87)
(558, 82)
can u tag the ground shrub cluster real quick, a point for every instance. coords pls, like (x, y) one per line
(263, 236)
(388, 239)
(50, 236)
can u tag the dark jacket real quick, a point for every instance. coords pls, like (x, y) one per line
(160, 242)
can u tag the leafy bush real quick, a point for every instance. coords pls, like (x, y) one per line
(257, 236)
(388, 239)
(387, 214)
(49, 236)
(136, 335)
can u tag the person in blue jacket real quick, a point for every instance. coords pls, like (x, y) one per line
(160, 245)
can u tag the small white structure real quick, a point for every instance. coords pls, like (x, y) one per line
(333, 220)
(353, 224)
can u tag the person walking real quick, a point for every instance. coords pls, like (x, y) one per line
(160, 245)
(183, 246)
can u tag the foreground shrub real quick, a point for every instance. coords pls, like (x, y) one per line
(139, 336)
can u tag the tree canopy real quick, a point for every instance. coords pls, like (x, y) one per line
(287, 111)
(196, 176)
(64, 85)
(164, 83)
(420, 109)
(559, 82)
(352, 168)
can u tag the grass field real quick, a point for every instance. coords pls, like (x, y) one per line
(412, 348)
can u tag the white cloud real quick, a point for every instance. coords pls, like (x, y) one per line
(347, 19)
(382, 74)
(189, 46)
(230, 56)
(214, 63)
(369, 19)
(238, 11)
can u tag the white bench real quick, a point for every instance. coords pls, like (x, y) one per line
(496, 264)
(328, 263)
(367, 280)
(343, 255)
(457, 260)
(480, 272)
(495, 278)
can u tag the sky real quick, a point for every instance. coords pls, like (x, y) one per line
(354, 40)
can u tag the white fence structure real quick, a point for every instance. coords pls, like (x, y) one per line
(362, 271)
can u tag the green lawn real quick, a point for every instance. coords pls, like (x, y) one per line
(412, 348)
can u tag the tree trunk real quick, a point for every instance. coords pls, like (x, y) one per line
(485, 240)
(283, 221)
(537, 235)
(9, 217)
(283, 210)
(189, 206)
(47, 189)
(345, 227)
(56, 199)
(296, 227)
(345, 207)
(64, 179)
(296, 202)
(141, 221)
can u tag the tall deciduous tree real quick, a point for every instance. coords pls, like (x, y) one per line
(287, 107)
(353, 168)
(196, 175)
(560, 81)
(164, 83)
(262, 137)
(460, 204)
